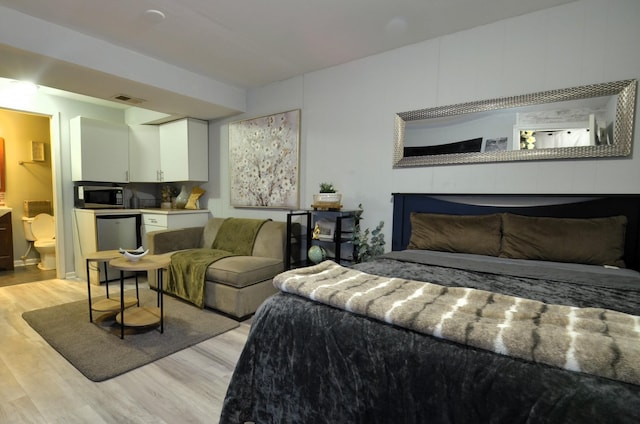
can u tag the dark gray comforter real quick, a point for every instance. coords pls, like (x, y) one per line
(309, 363)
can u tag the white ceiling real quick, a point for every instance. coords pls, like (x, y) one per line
(250, 43)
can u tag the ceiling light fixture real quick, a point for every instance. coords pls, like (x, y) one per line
(154, 15)
(17, 93)
(23, 88)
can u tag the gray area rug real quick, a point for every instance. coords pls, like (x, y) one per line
(97, 351)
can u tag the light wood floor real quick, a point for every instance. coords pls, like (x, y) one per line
(37, 385)
(24, 274)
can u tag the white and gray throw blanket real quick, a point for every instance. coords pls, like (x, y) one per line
(591, 340)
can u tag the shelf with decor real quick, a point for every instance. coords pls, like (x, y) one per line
(297, 239)
(330, 230)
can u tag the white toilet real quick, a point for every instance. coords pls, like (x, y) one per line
(41, 230)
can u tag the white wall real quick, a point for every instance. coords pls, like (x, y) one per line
(348, 110)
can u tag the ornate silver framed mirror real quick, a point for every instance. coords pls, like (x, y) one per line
(581, 122)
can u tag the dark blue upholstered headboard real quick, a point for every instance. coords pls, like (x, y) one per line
(553, 205)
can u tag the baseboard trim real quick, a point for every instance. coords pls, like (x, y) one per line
(30, 261)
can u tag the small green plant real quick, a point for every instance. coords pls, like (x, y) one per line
(327, 188)
(167, 192)
(367, 243)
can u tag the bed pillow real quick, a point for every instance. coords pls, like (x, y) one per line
(593, 241)
(478, 234)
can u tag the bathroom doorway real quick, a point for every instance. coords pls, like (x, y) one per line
(28, 176)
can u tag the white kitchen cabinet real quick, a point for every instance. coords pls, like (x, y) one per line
(171, 152)
(184, 150)
(144, 154)
(155, 220)
(99, 150)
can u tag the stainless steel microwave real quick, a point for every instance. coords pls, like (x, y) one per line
(98, 197)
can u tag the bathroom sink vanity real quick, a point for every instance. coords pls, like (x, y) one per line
(6, 240)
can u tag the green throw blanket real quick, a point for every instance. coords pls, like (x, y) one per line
(187, 272)
(237, 235)
(186, 275)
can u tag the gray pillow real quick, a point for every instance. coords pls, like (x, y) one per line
(593, 241)
(478, 234)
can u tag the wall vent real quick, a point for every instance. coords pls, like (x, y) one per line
(128, 99)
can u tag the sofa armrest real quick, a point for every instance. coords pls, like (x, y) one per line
(165, 241)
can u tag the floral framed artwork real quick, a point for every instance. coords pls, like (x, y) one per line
(264, 161)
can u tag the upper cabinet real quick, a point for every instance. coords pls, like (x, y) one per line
(171, 152)
(184, 150)
(99, 150)
(144, 154)
(117, 153)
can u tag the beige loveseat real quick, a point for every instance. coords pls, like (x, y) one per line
(235, 285)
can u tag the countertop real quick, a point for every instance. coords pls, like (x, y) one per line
(141, 211)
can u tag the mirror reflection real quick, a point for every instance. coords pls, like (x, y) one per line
(588, 121)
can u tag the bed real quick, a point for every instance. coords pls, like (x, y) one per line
(493, 308)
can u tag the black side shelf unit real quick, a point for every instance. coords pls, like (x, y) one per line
(330, 229)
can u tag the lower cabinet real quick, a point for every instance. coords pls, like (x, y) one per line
(103, 229)
(88, 222)
(171, 219)
(6, 242)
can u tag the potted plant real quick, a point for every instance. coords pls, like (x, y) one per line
(367, 243)
(167, 195)
(327, 188)
(327, 196)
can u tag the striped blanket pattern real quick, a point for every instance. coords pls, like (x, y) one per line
(597, 341)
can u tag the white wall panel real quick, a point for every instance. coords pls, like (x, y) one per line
(594, 39)
(348, 110)
(519, 47)
(563, 62)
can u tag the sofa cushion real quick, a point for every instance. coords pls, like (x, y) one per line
(210, 231)
(271, 240)
(243, 271)
(238, 235)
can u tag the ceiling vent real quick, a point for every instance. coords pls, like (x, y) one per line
(128, 99)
